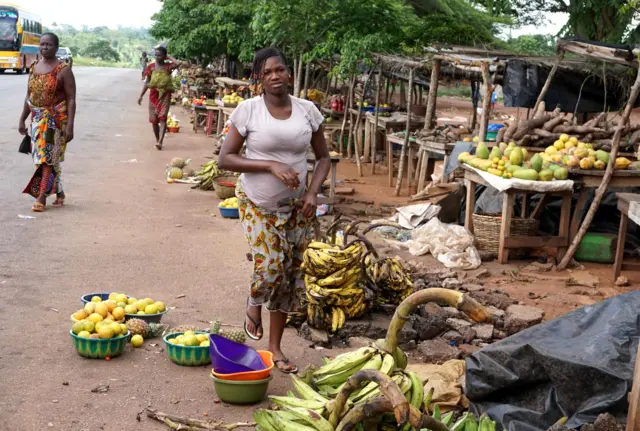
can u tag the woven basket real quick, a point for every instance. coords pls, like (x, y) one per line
(486, 228)
(225, 191)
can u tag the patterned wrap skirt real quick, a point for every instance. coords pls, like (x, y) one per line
(277, 242)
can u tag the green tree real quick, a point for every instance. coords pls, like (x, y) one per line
(537, 44)
(101, 49)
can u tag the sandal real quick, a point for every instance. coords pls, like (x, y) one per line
(159, 146)
(258, 325)
(287, 363)
(58, 203)
(38, 207)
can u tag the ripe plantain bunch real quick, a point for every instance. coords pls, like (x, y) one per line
(333, 277)
(388, 278)
(207, 173)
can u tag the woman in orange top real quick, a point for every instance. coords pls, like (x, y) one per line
(51, 100)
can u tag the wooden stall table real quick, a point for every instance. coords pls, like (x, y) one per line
(629, 207)
(397, 121)
(413, 147)
(334, 128)
(507, 241)
(311, 158)
(208, 112)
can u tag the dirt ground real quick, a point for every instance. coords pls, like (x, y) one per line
(125, 229)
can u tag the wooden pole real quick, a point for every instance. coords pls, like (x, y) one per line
(326, 91)
(307, 73)
(547, 83)
(299, 76)
(474, 102)
(604, 185)
(386, 93)
(484, 118)
(429, 119)
(374, 143)
(346, 116)
(356, 128)
(296, 78)
(406, 138)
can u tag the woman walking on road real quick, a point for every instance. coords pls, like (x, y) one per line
(51, 100)
(278, 130)
(159, 80)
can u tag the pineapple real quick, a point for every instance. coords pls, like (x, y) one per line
(175, 173)
(156, 329)
(236, 335)
(184, 328)
(179, 162)
(215, 327)
(138, 327)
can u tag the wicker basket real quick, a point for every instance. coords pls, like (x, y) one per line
(225, 191)
(486, 228)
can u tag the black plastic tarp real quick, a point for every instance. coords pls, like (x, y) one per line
(523, 81)
(578, 365)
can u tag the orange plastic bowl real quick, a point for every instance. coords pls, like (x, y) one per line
(267, 358)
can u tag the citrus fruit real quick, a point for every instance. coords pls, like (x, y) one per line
(187, 333)
(121, 305)
(123, 329)
(149, 301)
(113, 296)
(77, 328)
(80, 314)
(84, 334)
(137, 340)
(100, 325)
(151, 309)
(161, 306)
(101, 309)
(122, 298)
(140, 305)
(131, 301)
(95, 318)
(90, 307)
(141, 312)
(96, 299)
(204, 343)
(89, 326)
(201, 337)
(111, 304)
(131, 309)
(116, 328)
(118, 313)
(172, 341)
(191, 340)
(106, 332)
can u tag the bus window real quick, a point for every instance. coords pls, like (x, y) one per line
(8, 30)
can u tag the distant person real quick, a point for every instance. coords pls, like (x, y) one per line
(51, 100)
(158, 79)
(278, 130)
(144, 62)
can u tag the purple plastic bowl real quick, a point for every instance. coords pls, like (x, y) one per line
(228, 357)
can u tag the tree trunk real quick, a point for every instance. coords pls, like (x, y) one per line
(306, 79)
(346, 116)
(429, 118)
(484, 118)
(406, 138)
(299, 76)
(355, 127)
(374, 138)
(386, 93)
(604, 185)
(326, 91)
(296, 81)
(547, 83)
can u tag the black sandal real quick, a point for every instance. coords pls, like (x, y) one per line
(287, 363)
(257, 324)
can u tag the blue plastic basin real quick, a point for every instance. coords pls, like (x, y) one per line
(228, 357)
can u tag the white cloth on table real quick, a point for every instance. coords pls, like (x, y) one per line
(504, 184)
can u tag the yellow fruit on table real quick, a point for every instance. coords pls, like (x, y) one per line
(141, 305)
(96, 299)
(188, 333)
(117, 329)
(201, 337)
(122, 304)
(148, 301)
(137, 340)
(89, 326)
(118, 313)
(586, 163)
(151, 309)
(122, 298)
(573, 140)
(80, 314)
(113, 296)
(191, 340)
(90, 307)
(622, 163)
(84, 334)
(161, 307)
(111, 304)
(130, 309)
(204, 343)
(106, 332)
(131, 301)
(559, 144)
(564, 138)
(77, 328)
(123, 329)
(551, 150)
(95, 318)
(581, 145)
(101, 309)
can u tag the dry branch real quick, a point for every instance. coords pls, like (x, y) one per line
(188, 424)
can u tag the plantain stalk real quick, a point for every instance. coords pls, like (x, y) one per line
(378, 406)
(458, 300)
(399, 404)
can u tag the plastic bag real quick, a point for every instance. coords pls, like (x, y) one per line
(451, 244)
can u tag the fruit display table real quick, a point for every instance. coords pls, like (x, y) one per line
(387, 124)
(207, 111)
(629, 207)
(507, 241)
(412, 177)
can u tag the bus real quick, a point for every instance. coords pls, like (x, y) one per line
(20, 33)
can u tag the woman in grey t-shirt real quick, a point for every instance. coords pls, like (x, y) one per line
(278, 130)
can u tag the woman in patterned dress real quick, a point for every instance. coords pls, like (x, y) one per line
(278, 130)
(159, 99)
(51, 100)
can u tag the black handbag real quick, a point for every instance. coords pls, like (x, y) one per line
(25, 145)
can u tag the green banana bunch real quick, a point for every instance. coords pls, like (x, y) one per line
(207, 173)
(389, 278)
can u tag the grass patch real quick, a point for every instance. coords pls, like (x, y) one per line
(458, 91)
(93, 62)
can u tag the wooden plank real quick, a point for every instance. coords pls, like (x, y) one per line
(536, 241)
(540, 206)
(390, 159)
(429, 119)
(508, 200)
(368, 126)
(617, 263)
(565, 219)
(611, 55)
(484, 118)
(423, 169)
(470, 204)
(525, 205)
(410, 167)
(633, 415)
(406, 136)
(577, 212)
(630, 266)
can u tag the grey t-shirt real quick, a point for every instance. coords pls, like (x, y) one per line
(285, 141)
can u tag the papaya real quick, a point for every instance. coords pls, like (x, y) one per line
(536, 162)
(622, 163)
(482, 151)
(502, 147)
(483, 165)
(495, 153)
(526, 174)
(463, 157)
(599, 164)
(603, 156)
(561, 173)
(586, 163)
(545, 175)
(513, 168)
(525, 153)
(552, 167)
(515, 158)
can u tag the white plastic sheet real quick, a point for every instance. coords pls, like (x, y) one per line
(503, 184)
(451, 244)
(411, 216)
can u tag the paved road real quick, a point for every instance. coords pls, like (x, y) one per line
(124, 229)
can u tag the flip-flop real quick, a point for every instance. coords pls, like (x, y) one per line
(257, 324)
(38, 207)
(287, 362)
(58, 203)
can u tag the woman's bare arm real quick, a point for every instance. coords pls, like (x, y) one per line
(69, 83)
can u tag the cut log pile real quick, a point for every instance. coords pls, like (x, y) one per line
(444, 134)
(546, 127)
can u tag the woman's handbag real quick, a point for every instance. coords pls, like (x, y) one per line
(25, 145)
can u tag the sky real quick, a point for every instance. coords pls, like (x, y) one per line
(93, 13)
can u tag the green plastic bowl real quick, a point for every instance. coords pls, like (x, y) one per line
(100, 348)
(241, 391)
(188, 356)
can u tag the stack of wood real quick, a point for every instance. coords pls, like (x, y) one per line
(444, 134)
(198, 76)
(546, 127)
